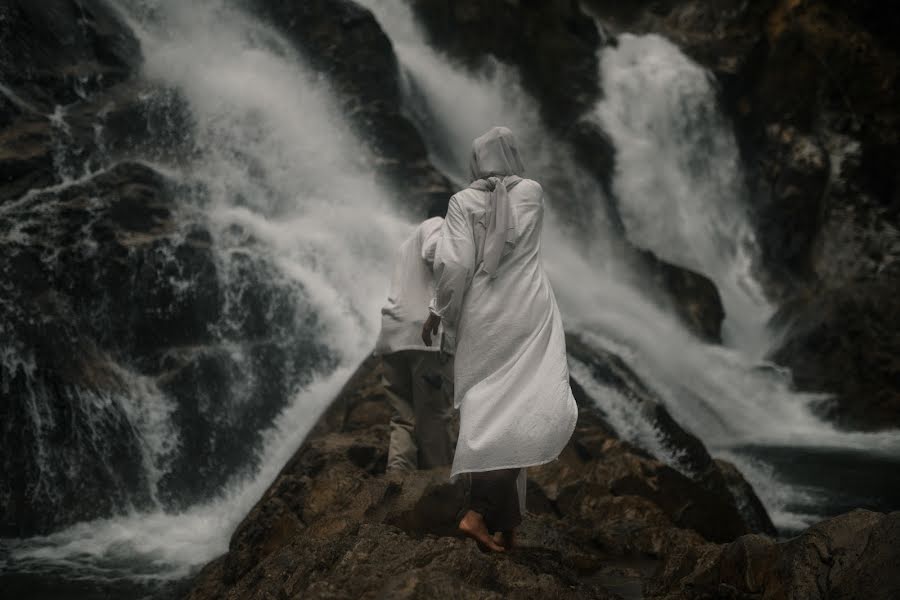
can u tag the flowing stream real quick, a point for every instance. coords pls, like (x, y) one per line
(289, 185)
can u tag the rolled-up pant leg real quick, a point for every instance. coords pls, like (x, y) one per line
(495, 496)
(397, 380)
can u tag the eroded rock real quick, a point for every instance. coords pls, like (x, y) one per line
(334, 525)
(844, 557)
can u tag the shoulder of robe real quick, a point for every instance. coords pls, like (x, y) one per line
(531, 187)
(469, 197)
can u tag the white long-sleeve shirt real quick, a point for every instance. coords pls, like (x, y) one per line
(412, 287)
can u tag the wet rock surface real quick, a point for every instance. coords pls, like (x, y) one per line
(59, 51)
(115, 311)
(849, 556)
(333, 525)
(112, 292)
(606, 520)
(553, 44)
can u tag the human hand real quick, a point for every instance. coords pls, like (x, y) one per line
(431, 326)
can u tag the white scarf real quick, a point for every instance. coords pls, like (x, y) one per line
(495, 167)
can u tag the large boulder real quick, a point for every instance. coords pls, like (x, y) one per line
(693, 296)
(850, 556)
(697, 486)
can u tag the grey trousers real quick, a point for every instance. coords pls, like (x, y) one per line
(495, 496)
(419, 387)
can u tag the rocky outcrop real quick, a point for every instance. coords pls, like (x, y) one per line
(724, 492)
(813, 90)
(693, 297)
(334, 525)
(850, 556)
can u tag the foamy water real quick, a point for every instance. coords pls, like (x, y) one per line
(284, 182)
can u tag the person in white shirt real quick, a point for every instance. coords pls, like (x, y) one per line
(510, 373)
(417, 378)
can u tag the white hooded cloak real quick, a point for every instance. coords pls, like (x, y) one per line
(511, 375)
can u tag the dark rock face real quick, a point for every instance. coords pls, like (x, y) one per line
(554, 44)
(114, 305)
(694, 297)
(333, 525)
(59, 51)
(69, 270)
(706, 486)
(836, 127)
(845, 342)
(343, 41)
(117, 312)
(849, 556)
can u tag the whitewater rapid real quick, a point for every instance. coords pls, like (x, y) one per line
(286, 183)
(679, 183)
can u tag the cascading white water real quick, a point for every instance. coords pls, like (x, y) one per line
(678, 184)
(286, 182)
(678, 181)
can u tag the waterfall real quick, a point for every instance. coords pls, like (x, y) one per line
(679, 187)
(288, 194)
(678, 180)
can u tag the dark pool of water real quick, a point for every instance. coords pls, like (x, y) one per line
(833, 481)
(71, 586)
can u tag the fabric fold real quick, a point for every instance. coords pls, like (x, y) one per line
(501, 225)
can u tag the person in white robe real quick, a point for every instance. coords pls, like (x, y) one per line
(417, 378)
(499, 314)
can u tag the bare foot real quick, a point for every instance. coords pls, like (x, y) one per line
(508, 539)
(473, 526)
